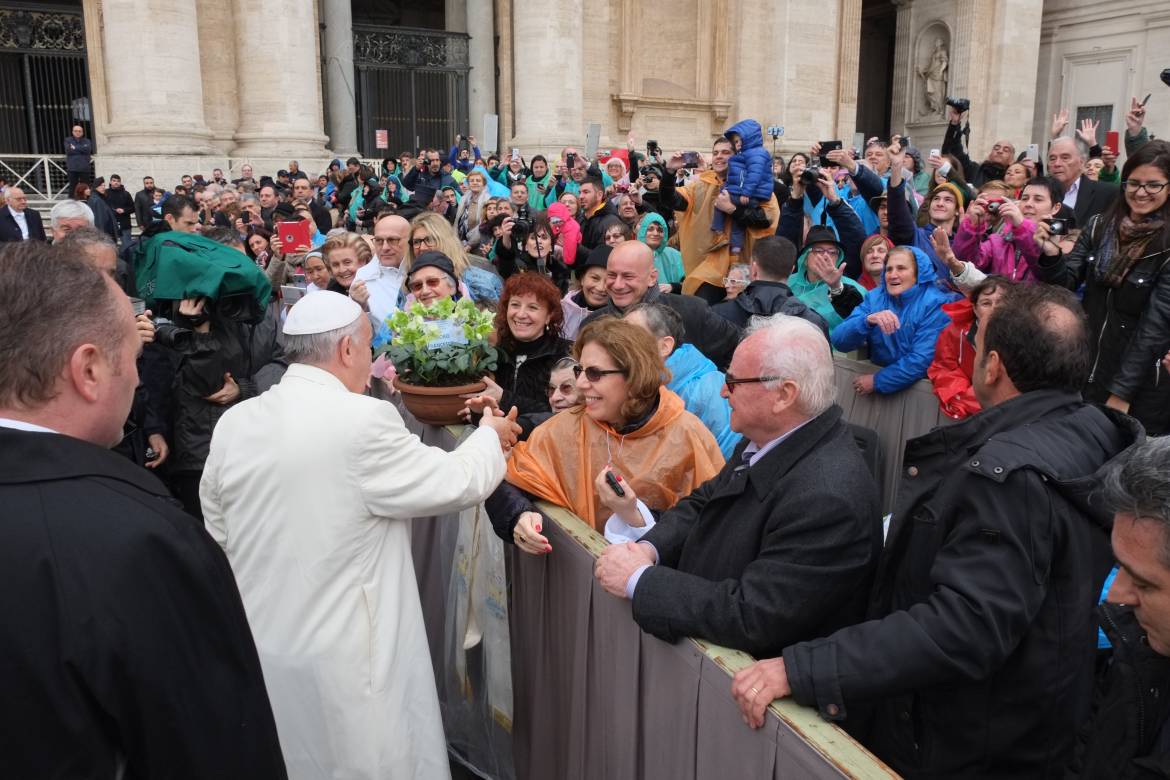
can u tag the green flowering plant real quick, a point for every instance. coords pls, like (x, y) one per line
(441, 344)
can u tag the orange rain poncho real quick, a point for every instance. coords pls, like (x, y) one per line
(664, 460)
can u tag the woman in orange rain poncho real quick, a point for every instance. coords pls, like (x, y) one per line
(629, 424)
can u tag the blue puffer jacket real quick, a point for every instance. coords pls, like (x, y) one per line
(907, 352)
(697, 381)
(749, 171)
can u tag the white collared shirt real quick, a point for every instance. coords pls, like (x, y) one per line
(385, 285)
(1070, 197)
(21, 425)
(21, 222)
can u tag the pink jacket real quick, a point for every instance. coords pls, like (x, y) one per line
(1012, 254)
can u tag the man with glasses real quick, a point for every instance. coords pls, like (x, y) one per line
(1002, 154)
(431, 176)
(384, 278)
(783, 543)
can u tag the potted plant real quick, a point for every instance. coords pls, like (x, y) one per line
(440, 353)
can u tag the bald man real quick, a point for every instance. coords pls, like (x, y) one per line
(384, 278)
(17, 221)
(630, 278)
(1086, 198)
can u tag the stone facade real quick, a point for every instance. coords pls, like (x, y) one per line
(214, 95)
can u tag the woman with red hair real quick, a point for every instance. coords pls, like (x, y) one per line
(528, 335)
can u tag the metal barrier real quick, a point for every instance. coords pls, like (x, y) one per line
(42, 177)
(594, 696)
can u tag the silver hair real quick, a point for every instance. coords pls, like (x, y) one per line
(662, 320)
(317, 348)
(796, 350)
(1138, 485)
(82, 239)
(249, 197)
(70, 209)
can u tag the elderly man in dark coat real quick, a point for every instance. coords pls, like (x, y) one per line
(979, 654)
(124, 646)
(783, 543)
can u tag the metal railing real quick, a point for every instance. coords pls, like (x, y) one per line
(42, 177)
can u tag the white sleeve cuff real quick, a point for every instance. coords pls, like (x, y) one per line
(617, 532)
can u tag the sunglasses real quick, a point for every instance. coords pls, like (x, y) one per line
(565, 388)
(732, 381)
(432, 282)
(594, 374)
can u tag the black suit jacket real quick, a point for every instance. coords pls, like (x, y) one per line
(1093, 197)
(10, 231)
(124, 636)
(759, 558)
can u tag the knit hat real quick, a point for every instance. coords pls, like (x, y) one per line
(433, 258)
(960, 193)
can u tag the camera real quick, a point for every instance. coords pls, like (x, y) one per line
(810, 175)
(993, 206)
(653, 149)
(521, 227)
(962, 105)
(1058, 227)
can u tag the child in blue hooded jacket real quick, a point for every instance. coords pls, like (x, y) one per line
(749, 176)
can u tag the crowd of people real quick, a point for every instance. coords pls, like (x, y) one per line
(665, 326)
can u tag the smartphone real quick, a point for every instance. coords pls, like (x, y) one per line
(614, 485)
(515, 153)
(139, 306)
(1032, 152)
(935, 153)
(826, 147)
(690, 159)
(1113, 141)
(570, 160)
(299, 280)
(293, 235)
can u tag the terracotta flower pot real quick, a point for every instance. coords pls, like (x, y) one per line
(436, 405)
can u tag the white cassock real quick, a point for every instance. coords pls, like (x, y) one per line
(309, 489)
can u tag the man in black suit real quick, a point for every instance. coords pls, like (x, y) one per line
(783, 543)
(17, 221)
(124, 647)
(1085, 197)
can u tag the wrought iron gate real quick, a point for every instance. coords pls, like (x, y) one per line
(44, 82)
(412, 83)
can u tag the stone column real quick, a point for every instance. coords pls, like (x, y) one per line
(849, 67)
(339, 77)
(217, 55)
(481, 82)
(154, 109)
(280, 98)
(548, 67)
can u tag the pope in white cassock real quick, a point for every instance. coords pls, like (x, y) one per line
(310, 488)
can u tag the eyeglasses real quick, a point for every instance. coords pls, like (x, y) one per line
(565, 388)
(732, 282)
(389, 241)
(1152, 187)
(594, 374)
(732, 381)
(432, 282)
(823, 250)
(424, 241)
